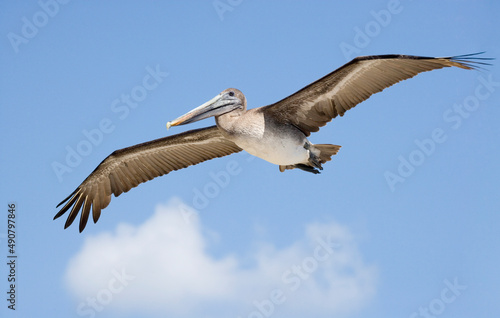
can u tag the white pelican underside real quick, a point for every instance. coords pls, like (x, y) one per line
(265, 139)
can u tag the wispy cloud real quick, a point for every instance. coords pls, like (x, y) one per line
(169, 270)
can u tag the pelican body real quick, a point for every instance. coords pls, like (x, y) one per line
(259, 133)
(276, 133)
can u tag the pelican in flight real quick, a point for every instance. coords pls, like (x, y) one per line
(276, 133)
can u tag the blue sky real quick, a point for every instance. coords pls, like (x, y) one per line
(234, 237)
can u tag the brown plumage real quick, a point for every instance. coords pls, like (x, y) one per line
(126, 168)
(332, 95)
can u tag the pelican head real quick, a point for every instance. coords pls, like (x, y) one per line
(227, 101)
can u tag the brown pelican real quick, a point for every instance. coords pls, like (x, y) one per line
(276, 133)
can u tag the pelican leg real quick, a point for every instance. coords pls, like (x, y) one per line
(314, 160)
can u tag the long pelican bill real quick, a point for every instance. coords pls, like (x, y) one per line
(201, 112)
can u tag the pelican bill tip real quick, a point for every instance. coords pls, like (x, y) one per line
(169, 125)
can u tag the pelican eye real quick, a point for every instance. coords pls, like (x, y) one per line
(231, 94)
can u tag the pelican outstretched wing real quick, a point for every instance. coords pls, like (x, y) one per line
(316, 104)
(126, 168)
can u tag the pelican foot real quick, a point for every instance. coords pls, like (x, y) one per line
(307, 168)
(315, 161)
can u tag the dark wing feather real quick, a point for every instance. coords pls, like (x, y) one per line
(127, 168)
(318, 103)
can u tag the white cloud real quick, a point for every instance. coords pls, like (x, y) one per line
(162, 268)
